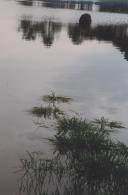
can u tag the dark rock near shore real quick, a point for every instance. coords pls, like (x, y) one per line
(85, 20)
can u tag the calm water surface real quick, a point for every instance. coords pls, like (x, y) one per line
(42, 50)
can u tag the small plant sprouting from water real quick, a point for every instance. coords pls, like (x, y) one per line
(51, 110)
(53, 99)
(46, 112)
(105, 122)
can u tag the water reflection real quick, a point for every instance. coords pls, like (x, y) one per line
(85, 160)
(116, 34)
(26, 2)
(48, 30)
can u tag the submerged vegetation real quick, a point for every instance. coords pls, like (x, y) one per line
(86, 160)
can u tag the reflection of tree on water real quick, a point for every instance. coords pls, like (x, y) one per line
(26, 2)
(117, 34)
(46, 30)
(86, 160)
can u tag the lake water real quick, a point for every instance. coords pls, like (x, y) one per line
(43, 49)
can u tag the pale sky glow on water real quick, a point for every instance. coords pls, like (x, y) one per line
(91, 70)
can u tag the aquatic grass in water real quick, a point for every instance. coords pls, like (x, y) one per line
(51, 110)
(82, 134)
(46, 112)
(86, 160)
(106, 123)
(41, 111)
(52, 99)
